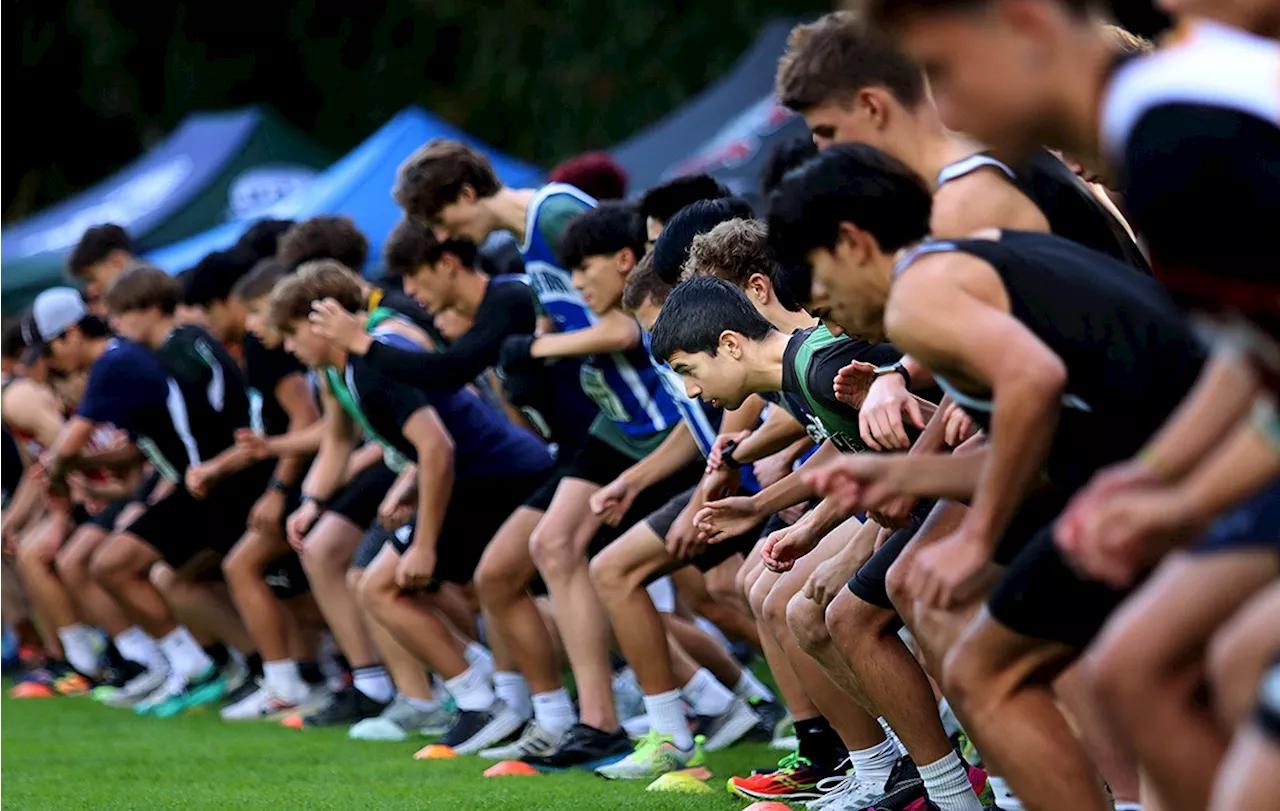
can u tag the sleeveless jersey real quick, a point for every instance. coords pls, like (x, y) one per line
(1130, 355)
(552, 283)
(1066, 202)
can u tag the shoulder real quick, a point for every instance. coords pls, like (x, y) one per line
(983, 198)
(24, 394)
(931, 282)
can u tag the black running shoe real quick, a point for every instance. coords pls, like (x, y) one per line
(770, 712)
(903, 788)
(346, 708)
(242, 692)
(465, 726)
(585, 747)
(118, 676)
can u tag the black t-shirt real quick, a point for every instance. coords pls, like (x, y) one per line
(264, 368)
(486, 443)
(506, 309)
(1130, 355)
(408, 306)
(212, 384)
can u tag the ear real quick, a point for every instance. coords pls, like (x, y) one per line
(760, 288)
(626, 260)
(733, 344)
(875, 103)
(467, 194)
(853, 244)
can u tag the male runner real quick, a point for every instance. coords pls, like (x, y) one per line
(1018, 350)
(473, 468)
(102, 254)
(661, 202)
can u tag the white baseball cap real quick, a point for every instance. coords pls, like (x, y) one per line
(55, 311)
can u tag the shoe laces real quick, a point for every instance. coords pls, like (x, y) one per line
(794, 762)
(650, 743)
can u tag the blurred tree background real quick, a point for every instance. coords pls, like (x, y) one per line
(95, 82)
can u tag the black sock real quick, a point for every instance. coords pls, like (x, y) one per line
(254, 662)
(114, 659)
(819, 743)
(219, 654)
(310, 672)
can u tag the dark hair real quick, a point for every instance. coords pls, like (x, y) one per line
(672, 248)
(91, 326)
(605, 229)
(697, 311)
(893, 13)
(214, 276)
(644, 285)
(596, 173)
(433, 177)
(734, 250)
(793, 285)
(852, 183)
(259, 281)
(785, 156)
(835, 57)
(662, 201)
(141, 288)
(263, 237)
(324, 237)
(410, 245)
(292, 297)
(13, 337)
(96, 244)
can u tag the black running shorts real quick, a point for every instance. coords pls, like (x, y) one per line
(660, 522)
(1253, 525)
(359, 500)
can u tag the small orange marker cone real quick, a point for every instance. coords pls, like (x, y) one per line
(510, 768)
(291, 721)
(435, 751)
(767, 805)
(31, 689)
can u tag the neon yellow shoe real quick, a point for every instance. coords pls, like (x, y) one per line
(654, 756)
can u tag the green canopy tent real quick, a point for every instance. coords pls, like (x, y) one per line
(214, 167)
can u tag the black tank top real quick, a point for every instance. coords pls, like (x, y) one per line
(1064, 199)
(1130, 355)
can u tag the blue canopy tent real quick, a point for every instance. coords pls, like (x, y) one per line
(358, 186)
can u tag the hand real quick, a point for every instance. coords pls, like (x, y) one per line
(199, 479)
(397, 508)
(267, 514)
(1081, 518)
(785, 546)
(883, 536)
(717, 448)
(1135, 527)
(958, 425)
(854, 381)
(684, 541)
(515, 353)
(880, 416)
(859, 481)
(254, 444)
(727, 518)
(332, 322)
(8, 541)
(417, 567)
(952, 571)
(896, 514)
(300, 523)
(773, 468)
(612, 501)
(827, 579)
(721, 483)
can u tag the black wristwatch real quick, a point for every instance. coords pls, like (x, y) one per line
(319, 502)
(895, 369)
(726, 455)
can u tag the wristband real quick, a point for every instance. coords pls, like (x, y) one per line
(276, 484)
(1152, 461)
(319, 502)
(726, 455)
(895, 369)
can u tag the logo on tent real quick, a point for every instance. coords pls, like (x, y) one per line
(258, 189)
(738, 141)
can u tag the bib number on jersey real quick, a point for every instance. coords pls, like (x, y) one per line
(843, 442)
(597, 388)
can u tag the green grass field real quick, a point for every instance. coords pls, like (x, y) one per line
(71, 753)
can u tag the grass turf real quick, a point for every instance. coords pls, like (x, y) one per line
(71, 753)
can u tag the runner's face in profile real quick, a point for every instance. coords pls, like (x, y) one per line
(719, 379)
(310, 349)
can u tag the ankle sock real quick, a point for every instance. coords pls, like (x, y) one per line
(875, 763)
(374, 682)
(946, 781)
(471, 690)
(666, 717)
(514, 692)
(185, 655)
(707, 696)
(554, 711)
(749, 687)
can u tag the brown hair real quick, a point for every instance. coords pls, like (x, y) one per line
(95, 245)
(733, 251)
(292, 296)
(889, 14)
(644, 285)
(142, 287)
(433, 177)
(1124, 41)
(835, 57)
(324, 237)
(259, 281)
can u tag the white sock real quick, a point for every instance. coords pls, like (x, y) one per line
(479, 657)
(422, 704)
(471, 690)
(283, 679)
(78, 646)
(136, 646)
(1128, 806)
(947, 783)
(749, 687)
(374, 682)
(666, 717)
(514, 692)
(185, 655)
(950, 724)
(1005, 798)
(893, 736)
(875, 764)
(706, 695)
(554, 711)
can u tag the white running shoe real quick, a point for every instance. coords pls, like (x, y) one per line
(136, 689)
(400, 720)
(503, 723)
(724, 730)
(533, 742)
(845, 793)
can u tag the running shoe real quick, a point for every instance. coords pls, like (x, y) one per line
(724, 730)
(137, 688)
(584, 747)
(207, 688)
(533, 742)
(654, 756)
(474, 730)
(977, 779)
(72, 684)
(172, 686)
(772, 714)
(400, 720)
(264, 705)
(795, 779)
(903, 788)
(344, 709)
